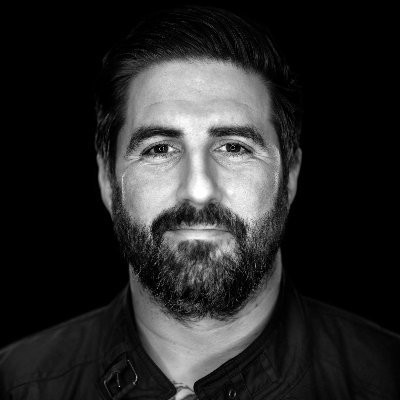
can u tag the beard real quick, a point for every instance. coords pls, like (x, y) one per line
(198, 279)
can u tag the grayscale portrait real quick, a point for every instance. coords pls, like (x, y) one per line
(226, 235)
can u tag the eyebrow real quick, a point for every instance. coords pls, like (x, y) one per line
(147, 132)
(247, 132)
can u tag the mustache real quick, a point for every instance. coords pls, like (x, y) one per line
(188, 215)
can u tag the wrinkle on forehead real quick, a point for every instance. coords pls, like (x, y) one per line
(224, 79)
(200, 84)
(181, 112)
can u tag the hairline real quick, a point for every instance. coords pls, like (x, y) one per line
(192, 59)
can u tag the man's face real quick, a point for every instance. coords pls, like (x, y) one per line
(198, 192)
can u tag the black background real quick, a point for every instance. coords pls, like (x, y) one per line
(59, 257)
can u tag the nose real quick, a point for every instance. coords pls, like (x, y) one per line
(199, 182)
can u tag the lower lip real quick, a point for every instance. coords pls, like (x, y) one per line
(205, 234)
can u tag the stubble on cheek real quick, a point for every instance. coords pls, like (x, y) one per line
(144, 196)
(136, 197)
(269, 186)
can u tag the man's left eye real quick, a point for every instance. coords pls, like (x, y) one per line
(233, 149)
(160, 149)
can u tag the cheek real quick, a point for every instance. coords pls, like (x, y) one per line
(144, 197)
(253, 193)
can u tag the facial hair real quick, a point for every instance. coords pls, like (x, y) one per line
(198, 279)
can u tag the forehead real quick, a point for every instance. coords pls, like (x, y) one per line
(197, 95)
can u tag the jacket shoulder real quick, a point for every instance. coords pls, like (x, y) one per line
(363, 352)
(52, 352)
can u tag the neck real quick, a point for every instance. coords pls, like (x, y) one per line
(186, 352)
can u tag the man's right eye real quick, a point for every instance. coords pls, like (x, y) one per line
(160, 150)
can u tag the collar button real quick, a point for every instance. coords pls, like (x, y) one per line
(121, 379)
(232, 394)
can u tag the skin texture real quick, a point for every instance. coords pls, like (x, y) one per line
(196, 167)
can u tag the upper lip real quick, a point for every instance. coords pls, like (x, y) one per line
(201, 227)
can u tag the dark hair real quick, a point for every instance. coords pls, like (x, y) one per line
(196, 32)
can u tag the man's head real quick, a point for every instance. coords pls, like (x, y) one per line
(198, 151)
(196, 33)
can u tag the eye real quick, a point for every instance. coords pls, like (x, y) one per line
(233, 149)
(160, 150)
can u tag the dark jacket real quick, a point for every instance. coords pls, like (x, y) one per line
(308, 351)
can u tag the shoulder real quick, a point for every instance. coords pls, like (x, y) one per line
(54, 352)
(354, 347)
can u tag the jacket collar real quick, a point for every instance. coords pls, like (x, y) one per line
(272, 364)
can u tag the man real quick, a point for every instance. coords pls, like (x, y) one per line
(198, 154)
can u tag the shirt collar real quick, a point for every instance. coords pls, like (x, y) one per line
(272, 364)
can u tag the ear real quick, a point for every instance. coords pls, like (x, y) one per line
(294, 175)
(104, 183)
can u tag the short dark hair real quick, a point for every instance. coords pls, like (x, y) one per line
(191, 33)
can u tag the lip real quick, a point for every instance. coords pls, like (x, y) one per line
(197, 232)
(201, 228)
